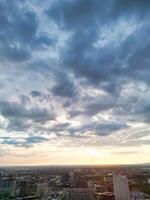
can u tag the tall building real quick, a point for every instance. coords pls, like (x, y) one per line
(27, 188)
(121, 187)
(8, 184)
(42, 190)
(24, 188)
(65, 179)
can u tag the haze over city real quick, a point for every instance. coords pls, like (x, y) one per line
(74, 82)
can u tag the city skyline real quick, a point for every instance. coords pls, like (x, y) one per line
(74, 82)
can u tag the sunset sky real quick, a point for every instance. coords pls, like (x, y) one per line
(74, 82)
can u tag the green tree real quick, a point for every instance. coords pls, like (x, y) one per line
(4, 196)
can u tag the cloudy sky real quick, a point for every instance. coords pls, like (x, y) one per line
(74, 82)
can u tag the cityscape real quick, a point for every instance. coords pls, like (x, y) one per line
(75, 100)
(124, 182)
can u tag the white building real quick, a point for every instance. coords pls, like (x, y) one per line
(121, 187)
(42, 190)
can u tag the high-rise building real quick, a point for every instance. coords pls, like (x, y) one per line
(24, 188)
(121, 187)
(8, 184)
(42, 190)
(65, 179)
(27, 188)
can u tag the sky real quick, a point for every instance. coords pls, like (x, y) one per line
(74, 82)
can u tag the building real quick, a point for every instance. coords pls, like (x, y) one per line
(42, 190)
(65, 179)
(137, 195)
(90, 184)
(107, 196)
(79, 194)
(76, 179)
(27, 188)
(8, 184)
(121, 187)
(24, 189)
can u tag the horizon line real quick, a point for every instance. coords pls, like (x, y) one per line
(71, 165)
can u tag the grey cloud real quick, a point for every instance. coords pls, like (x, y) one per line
(79, 13)
(19, 125)
(85, 13)
(134, 107)
(23, 142)
(98, 128)
(13, 110)
(131, 7)
(64, 86)
(35, 93)
(24, 99)
(59, 127)
(104, 66)
(35, 139)
(94, 105)
(20, 32)
(15, 54)
(42, 96)
(135, 143)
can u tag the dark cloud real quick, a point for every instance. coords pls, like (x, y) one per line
(134, 107)
(24, 99)
(127, 7)
(15, 54)
(80, 56)
(35, 139)
(93, 106)
(99, 66)
(59, 127)
(64, 86)
(97, 128)
(79, 13)
(20, 32)
(14, 111)
(16, 124)
(23, 142)
(42, 96)
(35, 93)
(104, 66)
